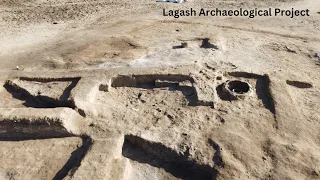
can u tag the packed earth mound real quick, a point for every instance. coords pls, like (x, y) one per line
(116, 90)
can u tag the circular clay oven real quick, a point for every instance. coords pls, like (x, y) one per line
(237, 89)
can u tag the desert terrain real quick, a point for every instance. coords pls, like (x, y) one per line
(114, 90)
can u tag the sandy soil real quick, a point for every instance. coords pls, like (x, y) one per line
(109, 89)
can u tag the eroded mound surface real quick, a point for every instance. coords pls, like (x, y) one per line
(159, 97)
(168, 125)
(116, 48)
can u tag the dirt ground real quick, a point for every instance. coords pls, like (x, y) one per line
(103, 89)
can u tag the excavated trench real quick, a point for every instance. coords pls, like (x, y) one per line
(40, 100)
(299, 84)
(25, 129)
(148, 80)
(160, 156)
(75, 159)
(171, 82)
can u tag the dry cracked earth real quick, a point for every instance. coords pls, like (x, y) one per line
(114, 90)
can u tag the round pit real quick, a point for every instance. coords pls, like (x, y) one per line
(237, 89)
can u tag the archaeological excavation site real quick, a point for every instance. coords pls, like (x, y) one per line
(115, 90)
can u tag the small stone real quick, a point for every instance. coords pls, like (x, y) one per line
(103, 87)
